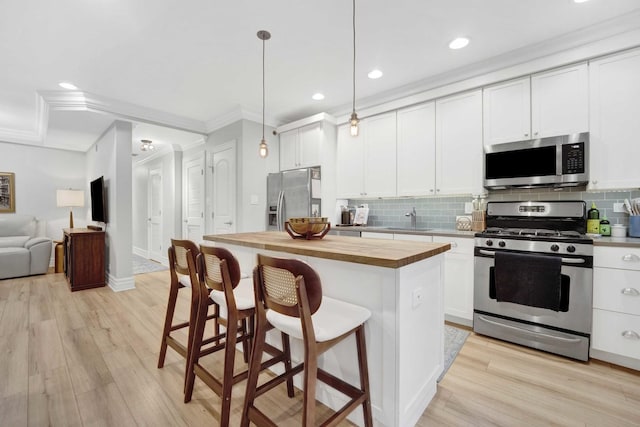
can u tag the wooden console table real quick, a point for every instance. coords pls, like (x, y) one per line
(84, 264)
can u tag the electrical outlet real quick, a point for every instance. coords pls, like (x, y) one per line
(416, 297)
(468, 207)
(618, 207)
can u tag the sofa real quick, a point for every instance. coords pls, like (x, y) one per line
(23, 249)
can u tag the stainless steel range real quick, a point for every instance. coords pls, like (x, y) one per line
(533, 276)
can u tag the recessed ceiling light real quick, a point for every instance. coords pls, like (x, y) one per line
(374, 74)
(459, 43)
(67, 85)
(317, 96)
(580, 1)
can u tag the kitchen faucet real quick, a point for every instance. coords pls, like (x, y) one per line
(412, 215)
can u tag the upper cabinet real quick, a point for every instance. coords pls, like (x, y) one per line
(459, 144)
(507, 111)
(546, 104)
(366, 164)
(416, 150)
(615, 121)
(560, 102)
(301, 147)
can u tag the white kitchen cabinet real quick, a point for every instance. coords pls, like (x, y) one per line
(614, 121)
(301, 147)
(413, 237)
(458, 279)
(366, 164)
(560, 101)
(507, 111)
(459, 144)
(416, 150)
(374, 235)
(546, 104)
(349, 164)
(616, 305)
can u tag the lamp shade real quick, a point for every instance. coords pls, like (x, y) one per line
(70, 198)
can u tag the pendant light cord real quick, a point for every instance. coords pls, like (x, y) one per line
(263, 40)
(354, 56)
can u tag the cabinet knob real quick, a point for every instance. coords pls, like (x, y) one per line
(631, 257)
(630, 291)
(535, 134)
(630, 335)
(431, 191)
(526, 134)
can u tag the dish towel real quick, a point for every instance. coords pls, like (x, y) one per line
(528, 279)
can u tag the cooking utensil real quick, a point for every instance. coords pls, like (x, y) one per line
(627, 206)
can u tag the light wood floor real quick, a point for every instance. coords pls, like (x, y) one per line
(89, 358)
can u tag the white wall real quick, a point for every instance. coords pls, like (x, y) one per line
(39, 172)
(253, 175)
(110, 157)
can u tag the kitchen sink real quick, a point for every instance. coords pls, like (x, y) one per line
(407, 229)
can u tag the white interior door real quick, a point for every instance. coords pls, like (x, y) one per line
(193, 200)
(224, 189)
(154, 220)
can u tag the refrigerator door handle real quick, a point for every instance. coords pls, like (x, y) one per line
(280, 213)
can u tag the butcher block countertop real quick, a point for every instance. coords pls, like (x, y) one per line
(387, 253)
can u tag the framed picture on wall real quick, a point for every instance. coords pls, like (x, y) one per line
(7, 192)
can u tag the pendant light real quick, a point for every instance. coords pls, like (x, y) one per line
(354, 117)
(263, 149)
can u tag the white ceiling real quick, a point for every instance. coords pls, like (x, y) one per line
(198, 62)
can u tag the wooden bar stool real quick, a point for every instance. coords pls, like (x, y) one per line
(179, 252)
(217, 273)
(289, 297)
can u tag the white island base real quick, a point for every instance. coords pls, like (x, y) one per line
(404, 334)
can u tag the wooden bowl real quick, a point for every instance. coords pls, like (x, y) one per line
(312, 224)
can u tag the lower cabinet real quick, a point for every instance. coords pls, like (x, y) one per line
(458, 273)
(458, 279)
(616, 306)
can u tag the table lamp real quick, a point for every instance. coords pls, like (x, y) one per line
(70, 198)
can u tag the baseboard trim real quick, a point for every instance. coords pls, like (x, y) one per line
(121, 284)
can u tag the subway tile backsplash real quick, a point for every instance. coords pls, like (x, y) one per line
(440, 212)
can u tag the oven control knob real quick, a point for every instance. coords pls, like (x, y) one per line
(571, 249)
(555, 248)
(502, 243)
(489, 242)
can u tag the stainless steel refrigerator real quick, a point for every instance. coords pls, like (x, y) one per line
(292, 193)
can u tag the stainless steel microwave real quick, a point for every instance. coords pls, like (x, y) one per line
(559, 161)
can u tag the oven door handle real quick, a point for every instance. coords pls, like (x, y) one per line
(573, 260)
(564, 260)
(502, 325)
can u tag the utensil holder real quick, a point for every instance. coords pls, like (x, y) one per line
(634, 226)
(478, 221)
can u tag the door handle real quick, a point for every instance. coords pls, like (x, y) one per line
(631, 257)
(228, 222)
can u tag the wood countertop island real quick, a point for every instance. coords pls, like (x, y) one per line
(392, 254)
(401, 283)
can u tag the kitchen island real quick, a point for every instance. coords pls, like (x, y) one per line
(401, 283)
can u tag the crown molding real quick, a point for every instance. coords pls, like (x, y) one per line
(236, 114)
(320, 117)
(85, 101)
(30, 137)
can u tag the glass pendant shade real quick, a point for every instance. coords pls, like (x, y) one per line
(354, 124)
(263, 149)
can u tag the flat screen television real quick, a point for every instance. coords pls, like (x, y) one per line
(98, 200)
